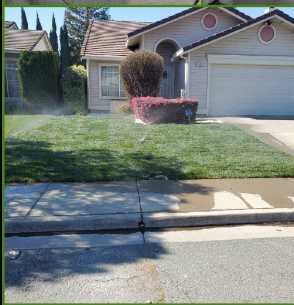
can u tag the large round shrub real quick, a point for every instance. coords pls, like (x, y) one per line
(74, 88)
(141, 73)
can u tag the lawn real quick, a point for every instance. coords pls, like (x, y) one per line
(50, 148)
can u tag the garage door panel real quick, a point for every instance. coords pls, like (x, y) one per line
(251, 90)
(288, 110)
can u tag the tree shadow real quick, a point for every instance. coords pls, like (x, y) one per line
(37, 161)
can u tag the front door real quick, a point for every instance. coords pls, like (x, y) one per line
(167, 83)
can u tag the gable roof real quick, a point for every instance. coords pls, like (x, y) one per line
(22, 39)
(233, 30)
(10, 24)
(108, 37)
(182, 14)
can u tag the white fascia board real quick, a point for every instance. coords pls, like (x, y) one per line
(284, 20)
(110, 58)
(163, 24)
(236, 32)
(251, 60)
(12, 51)
(231, 13)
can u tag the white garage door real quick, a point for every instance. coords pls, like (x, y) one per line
(251, 90)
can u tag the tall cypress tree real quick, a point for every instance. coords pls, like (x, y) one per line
(38, 24)
(77, 20)
(53, 36)
(24, 21)
(65, 59)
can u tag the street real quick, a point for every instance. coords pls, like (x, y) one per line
(244, 264)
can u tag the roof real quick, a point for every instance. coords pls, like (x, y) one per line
(180, 15)
(10, 24)
(22, 39)
(108, 37)
(241, 26)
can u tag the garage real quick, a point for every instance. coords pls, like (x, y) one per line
(251, 90)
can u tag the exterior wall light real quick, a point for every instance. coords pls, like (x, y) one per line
(164, 74)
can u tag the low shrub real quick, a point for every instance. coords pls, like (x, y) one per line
(160, 110)
(74, 89)
(20, 109)
(124, 109)
(141, 73)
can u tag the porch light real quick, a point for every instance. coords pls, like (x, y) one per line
(164, 74)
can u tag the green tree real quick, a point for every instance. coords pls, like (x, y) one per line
(53, 35)
(24, 21)
(38, 24)
(65, 59)
(77, 20)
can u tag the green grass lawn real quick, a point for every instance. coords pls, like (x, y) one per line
(48, 148)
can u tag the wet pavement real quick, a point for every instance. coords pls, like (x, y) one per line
(47, 207)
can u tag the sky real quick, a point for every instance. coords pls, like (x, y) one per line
(147, 14)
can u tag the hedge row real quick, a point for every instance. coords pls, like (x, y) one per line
(160, 110)
(38, 73)
(74, 84)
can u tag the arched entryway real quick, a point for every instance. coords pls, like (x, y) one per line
(166, 47)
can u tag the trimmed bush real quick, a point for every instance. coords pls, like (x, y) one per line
(160, 110)
(141, 73)
(38, 73)
(124, 109)
(74, 89)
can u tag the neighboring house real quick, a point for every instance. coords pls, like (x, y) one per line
(233, 64)
(15, 41)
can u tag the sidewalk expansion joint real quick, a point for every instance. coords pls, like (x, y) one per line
(141, 224)
(238, 195)
(28, 214)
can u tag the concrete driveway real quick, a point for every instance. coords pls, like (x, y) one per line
(275, 132)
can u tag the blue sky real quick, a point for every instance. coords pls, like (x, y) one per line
(148, 14)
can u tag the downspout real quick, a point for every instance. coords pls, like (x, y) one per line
(186, 75)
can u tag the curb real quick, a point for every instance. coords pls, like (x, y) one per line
(151, 220)
(72, 223)
(217, 218)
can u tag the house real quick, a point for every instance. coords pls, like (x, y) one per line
(232, 63)
(17, 40)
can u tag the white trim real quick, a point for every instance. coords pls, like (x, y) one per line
(166, 38)
(188, 76)
(143, 42)
(251, 60)
(216, 21)
(181, 17)
(259, 31)
(244, 60)
(114, 58)
(100, 84)
(88, 84)
(12, 51)
(163, 24)
(228, 35)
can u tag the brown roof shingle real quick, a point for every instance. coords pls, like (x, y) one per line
(108, 37)
(10, 24)
(22, 39)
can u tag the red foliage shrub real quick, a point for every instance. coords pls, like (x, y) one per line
(160, 110)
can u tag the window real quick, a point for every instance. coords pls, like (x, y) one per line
(209, 21)
(267, 34)
(111, 84)
(12, 82)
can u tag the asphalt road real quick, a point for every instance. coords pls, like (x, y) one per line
(244, 264)
(100, 2)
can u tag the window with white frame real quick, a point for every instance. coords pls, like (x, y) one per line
(111, 84)
(12, 82)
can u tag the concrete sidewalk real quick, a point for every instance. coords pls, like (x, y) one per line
(52, 207)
